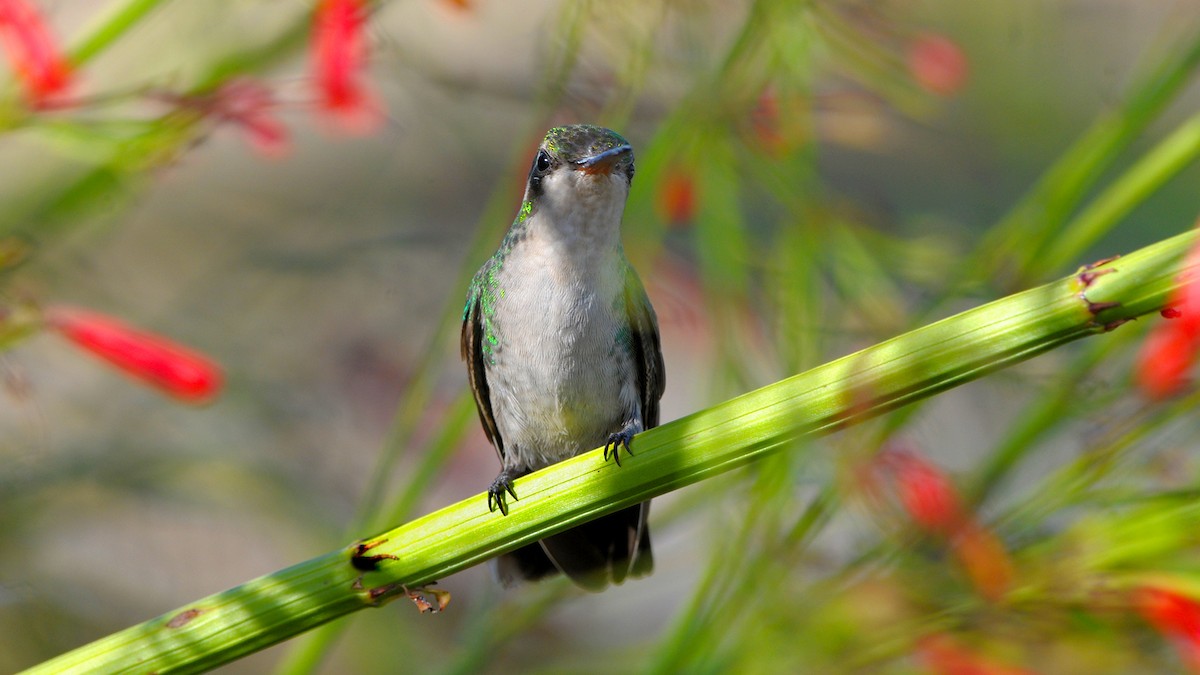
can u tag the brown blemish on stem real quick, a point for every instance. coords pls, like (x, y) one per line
(1084, 278)
(181, 619)
(368, 563)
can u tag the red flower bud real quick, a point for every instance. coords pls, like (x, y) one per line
(937, 64)
(171, 368)
(338, 59)
(34, 55)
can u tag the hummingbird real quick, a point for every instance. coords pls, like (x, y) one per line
(562, 349)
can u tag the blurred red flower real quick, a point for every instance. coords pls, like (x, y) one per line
(984, 559)
(155, 360)
(35, 56)
(764, 119)
(1170, 350)
(943, 655)
(929, 497)
(775, 124)
(937, 64)
(677, 197)
(925, 492)
(246, 102)
(1164, 361)
(1177, 617)
(338, 60)
(251, 105)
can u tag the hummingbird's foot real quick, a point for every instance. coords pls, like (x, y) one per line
(621, 439)
(496, 498)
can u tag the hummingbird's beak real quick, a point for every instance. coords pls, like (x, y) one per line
(603, 163)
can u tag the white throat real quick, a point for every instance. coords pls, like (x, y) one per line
(581, 213)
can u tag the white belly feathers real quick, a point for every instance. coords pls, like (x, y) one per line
(582, 386)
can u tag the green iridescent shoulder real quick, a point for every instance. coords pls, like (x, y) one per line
(483, 285)
(472, 296)
(476, 287)
(485, 281)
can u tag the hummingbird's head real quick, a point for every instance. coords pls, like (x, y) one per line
(581, 172)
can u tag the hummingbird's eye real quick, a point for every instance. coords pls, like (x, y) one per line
(542, 163)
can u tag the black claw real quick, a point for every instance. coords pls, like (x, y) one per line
(612, 448)
(496, 499)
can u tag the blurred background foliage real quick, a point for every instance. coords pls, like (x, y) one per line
(812, 177)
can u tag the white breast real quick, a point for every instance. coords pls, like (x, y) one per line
(560, 384)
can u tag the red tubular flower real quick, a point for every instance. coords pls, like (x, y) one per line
(34, 55)
(677, 197)
(1170, 350)
(926, 493)
(931, 500)
(937, 64)
(171, 368)
(338, 59)
(1177, 617)
(1164, 361)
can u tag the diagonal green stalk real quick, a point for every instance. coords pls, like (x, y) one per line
(111, 27)
(1039, 216)
(220, 628)
(1174, 154)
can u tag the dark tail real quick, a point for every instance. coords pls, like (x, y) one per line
(604, 551)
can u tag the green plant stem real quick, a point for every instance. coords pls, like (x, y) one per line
(114, 24)
(918, 364)
(1011, 246)
(1133, 188)
(308, 653)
